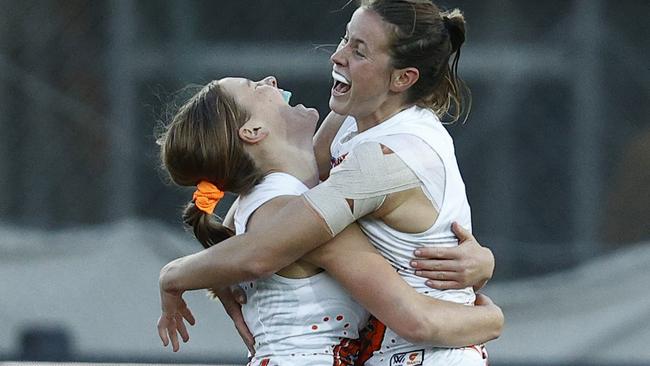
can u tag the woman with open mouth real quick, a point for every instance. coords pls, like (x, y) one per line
(397, 175)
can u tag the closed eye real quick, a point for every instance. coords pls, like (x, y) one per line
(357, 52)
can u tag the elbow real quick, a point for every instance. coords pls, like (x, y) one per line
(423, 330)
(498, 325)
(496, 334)
(429, 332)
(420, 336)
(494, 327)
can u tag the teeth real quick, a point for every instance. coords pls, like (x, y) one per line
(340, 78)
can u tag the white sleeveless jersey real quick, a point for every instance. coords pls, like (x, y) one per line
(307, 321)
(418, 137)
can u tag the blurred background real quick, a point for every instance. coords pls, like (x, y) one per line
(555, 155)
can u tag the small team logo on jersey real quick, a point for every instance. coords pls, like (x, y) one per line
(412, 358)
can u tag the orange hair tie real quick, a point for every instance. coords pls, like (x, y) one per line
(206, 196)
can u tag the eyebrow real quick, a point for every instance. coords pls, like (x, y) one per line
(356, 40)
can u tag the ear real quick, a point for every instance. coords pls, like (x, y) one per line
(252, 133)
(403, 79)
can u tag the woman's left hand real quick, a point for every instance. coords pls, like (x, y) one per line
(174, 313)
(232, 298)
(468, 264)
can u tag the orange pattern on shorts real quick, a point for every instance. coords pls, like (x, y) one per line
(346, 352)
(371, 339)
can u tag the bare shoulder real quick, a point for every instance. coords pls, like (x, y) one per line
(267, 210)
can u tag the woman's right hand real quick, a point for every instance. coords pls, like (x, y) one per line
(465, 265)
(171, 321)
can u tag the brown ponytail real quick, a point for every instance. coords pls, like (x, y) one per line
(202, 143)
(455, 24)
(460, 99)
(208, 229)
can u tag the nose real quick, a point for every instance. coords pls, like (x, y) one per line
(270, 80)
(337, 57)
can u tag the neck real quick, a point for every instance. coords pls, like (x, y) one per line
(387, 110)
(299, 162)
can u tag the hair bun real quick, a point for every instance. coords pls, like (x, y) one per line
(455, 24)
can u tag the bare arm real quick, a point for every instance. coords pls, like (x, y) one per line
(232, 306)
(323, 141)
(354, 262)
(374, 283)
(257, 254)
(284, 237)
(233, 297)
(287, 235)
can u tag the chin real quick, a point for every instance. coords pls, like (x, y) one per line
(337, 107)
(314, 113)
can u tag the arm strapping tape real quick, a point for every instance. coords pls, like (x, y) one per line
(365, 177)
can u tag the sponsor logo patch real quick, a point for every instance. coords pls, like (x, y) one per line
(411, 358)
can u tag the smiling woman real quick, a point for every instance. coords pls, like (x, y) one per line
(362, 68)
(395, 47)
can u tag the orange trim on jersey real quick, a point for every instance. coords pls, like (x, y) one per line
(372, 337)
